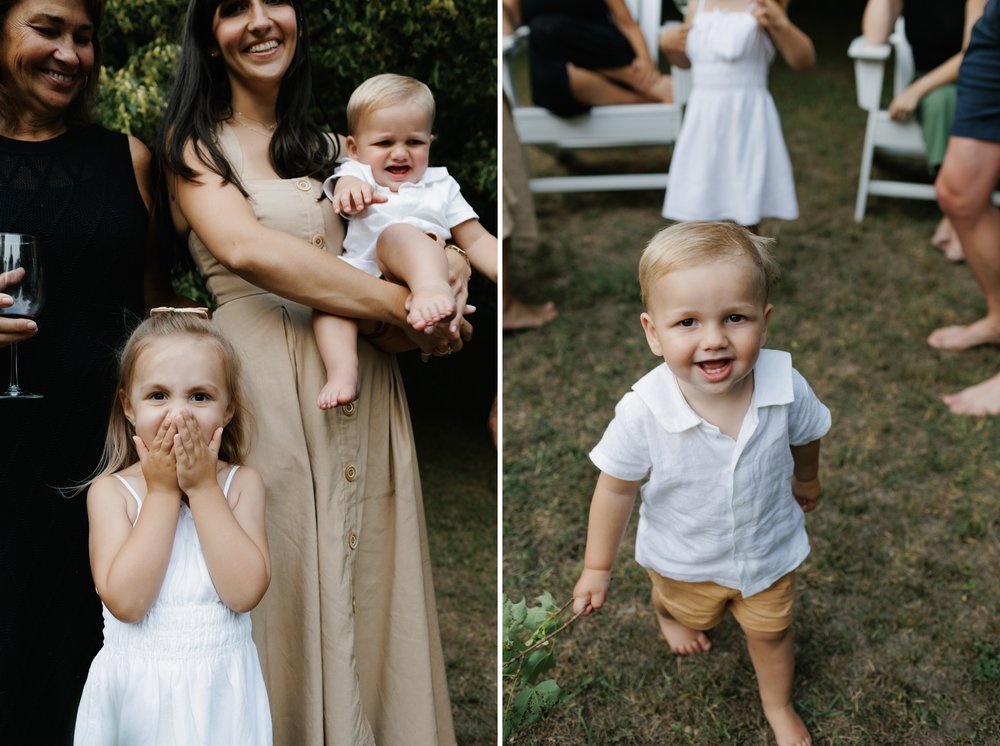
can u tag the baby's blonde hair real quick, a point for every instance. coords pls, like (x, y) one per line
(691, 244)
(119, 449)
(387, 89)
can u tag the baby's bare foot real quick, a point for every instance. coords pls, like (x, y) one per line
(985, 331)
(339, 389)
(682, 640)
(789, 730)
(430, 304)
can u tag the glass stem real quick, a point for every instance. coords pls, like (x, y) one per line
(15, 386)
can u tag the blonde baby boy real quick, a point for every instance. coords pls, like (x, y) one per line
(723, 439)
(403, 217)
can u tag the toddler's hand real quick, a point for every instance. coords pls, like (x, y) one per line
(196, 460)
(351, 195)
(806, 492)
(157, 460)
(673, 39)
(591, 591)
(770, 15)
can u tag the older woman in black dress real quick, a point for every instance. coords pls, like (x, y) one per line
(82, 191)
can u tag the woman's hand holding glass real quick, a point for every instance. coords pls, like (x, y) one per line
(13, 330)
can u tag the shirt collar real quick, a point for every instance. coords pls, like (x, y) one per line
(660, 392)
(431, 176)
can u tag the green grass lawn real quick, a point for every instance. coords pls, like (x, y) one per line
(898, 638)
(458, 466)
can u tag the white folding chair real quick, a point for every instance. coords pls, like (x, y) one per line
(882, 133)
(624, 125)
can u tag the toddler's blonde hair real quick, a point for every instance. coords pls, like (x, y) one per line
(387, 89)
(119, 449)
(694, 243)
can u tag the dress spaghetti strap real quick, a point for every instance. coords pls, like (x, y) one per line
(129, 487)
(229, 480)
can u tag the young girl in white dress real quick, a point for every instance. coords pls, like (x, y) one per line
(730, 161)
(178, 549)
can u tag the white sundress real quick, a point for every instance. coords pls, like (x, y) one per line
(187, 673)
(730, 161)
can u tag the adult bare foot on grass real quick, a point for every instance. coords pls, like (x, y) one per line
(985, 331)
(518, 315)
(681, 639)
(789, 730)
(980, 400)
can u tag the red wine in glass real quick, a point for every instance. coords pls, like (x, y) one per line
(20, 278)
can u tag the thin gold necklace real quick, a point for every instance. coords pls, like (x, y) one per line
(268, 127)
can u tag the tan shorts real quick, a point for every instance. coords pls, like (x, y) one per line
(702, 606)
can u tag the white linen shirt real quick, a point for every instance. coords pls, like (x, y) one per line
(434, 205)
(715, 509)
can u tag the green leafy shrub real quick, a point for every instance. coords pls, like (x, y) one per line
(529, 638)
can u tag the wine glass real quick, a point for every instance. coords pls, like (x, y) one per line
(20, 278)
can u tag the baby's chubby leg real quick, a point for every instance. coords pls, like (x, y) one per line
(408, 254)
(337, 340)
(682, 639)
(773, 656)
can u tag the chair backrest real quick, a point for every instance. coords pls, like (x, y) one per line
(903, 70)
(647, 14)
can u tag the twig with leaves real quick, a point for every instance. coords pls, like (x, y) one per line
(529, 637)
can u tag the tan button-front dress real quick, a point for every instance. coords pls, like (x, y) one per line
(347, 632)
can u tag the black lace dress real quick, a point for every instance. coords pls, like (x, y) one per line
(77, 193)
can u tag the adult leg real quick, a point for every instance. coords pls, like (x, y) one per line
(580, 59)
(773, 656)
(964, 185)
(519, 315)
(936, 113)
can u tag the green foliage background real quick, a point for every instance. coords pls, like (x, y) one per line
(448, 44)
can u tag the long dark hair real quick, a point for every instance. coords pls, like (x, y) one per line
(201, 97)
(78, 111)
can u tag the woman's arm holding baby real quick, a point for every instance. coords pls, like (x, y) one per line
(610, 509)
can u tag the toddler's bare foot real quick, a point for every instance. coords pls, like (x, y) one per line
(682, 640)
(980, 400)
(339, 389)
(518, 315)
(789, 730)
(985, 331)
(430, 304)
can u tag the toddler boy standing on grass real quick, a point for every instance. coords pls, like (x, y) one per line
(726, 436)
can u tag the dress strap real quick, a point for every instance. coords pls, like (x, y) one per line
(229, 480)
(134, 494)
(124, 481)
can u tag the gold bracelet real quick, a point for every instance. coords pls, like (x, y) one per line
(461, 252)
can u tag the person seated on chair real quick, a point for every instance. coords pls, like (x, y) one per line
(587, 53)
(938, 34)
